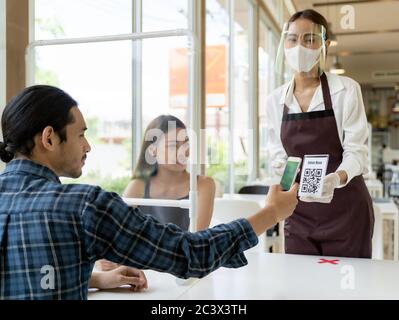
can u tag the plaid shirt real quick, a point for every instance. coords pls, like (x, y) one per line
(51, 234)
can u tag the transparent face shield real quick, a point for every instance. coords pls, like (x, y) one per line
(302, 48)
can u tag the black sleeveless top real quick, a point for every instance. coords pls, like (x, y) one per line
(178, 216)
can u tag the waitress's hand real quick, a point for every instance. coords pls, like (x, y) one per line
(278, 166)
(331, 181)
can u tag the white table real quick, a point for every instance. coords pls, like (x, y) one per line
(161, 286)
(279, 276)
(390, 211)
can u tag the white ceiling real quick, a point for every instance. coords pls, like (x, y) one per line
(361, 54)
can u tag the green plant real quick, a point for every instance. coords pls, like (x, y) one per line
(107, 183)
(219, 169)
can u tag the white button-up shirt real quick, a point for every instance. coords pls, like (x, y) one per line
(350, 116)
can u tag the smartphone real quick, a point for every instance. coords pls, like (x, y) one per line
(290, 172)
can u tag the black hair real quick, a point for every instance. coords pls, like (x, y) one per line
(29, 113)
(143, 169)
(313, 16)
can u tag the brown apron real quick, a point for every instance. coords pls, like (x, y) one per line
(344, 227)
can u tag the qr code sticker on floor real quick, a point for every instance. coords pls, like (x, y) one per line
(311, 183)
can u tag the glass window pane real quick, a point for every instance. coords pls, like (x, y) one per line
(165, 15)
(104, 93)
(264, 89)
(275, 7)
(241, 85)
(217, 107)
(286, 14)
(56, 19)
(165, 78)
(268, 81)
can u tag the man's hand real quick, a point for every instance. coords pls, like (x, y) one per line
(282, 202)
(279, 206)
(118, 277)
(105, 265)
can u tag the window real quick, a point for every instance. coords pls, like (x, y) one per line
(165, 78)
(217, 104)
(227, 92)
(165, 15)
(276, 9)
(100, 75)
(103, 91)
(164, 63)
(268, 81)
(56, 19)
(241, 133)
(112, 80)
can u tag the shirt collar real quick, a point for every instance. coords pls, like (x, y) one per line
(30, 167)
(334, 82)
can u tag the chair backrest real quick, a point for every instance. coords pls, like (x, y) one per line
(377, 241)
(227, 210)
(254, 190)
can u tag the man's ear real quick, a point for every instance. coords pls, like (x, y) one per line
(49, 138)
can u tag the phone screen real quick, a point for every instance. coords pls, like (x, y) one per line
(289, 175)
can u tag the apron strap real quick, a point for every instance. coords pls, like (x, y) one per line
(285, 110)
(326, 92)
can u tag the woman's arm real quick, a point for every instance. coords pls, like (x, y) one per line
(355, 134)
(135, 189)
(206, 197)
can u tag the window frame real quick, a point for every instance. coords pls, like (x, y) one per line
(257, 12)
(191, 33)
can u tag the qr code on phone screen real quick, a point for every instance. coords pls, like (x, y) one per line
(311, 181)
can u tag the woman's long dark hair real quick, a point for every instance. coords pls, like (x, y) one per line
(28, 113)
(143, 169)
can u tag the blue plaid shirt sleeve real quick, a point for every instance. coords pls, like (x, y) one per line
(122, 234)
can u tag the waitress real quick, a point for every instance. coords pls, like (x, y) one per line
(321, 113)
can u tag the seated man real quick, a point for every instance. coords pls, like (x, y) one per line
(56, 231)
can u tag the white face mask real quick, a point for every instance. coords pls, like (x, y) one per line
(302, 59)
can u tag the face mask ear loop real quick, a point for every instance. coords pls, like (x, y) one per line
(323, 57)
